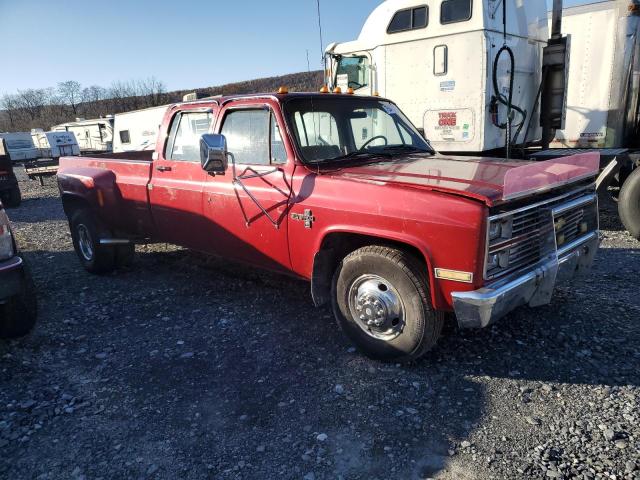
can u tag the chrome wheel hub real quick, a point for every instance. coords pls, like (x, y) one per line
(84, 242)
(376, 307)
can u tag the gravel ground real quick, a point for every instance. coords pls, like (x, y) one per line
(182, 367)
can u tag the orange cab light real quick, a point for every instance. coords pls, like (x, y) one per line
(376, 94)
(350, 91)
(283, 90)
(324, 89)
(337, 90)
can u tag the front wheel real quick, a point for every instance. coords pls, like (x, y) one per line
(629, 203)
(381, 301)
(86, 232)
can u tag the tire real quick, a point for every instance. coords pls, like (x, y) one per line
(125, 254)
(18, 316)
(86, 231)
(395, 283)
(629, 204)
(12, 198)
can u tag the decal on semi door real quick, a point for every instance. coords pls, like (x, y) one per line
(454, 125)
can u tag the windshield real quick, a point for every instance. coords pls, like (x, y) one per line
(336, 128)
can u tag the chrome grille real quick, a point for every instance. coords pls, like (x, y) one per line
(526, 234)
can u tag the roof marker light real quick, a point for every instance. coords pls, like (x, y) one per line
(324, 89)
(337, 90)
(283, 90)
(350, 91)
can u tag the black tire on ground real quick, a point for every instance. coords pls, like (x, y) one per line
(86, 231)
(629, 203)
(401, 280)
(18, 316)
(125, 254)
(12, 198)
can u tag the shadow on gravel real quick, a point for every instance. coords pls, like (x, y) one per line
(205, 367)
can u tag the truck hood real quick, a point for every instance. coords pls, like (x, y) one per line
(489, 180)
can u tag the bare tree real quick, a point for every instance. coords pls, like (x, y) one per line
(94, 93)
(33, 100)
(9, 103)
(153, 90)
(70, 93)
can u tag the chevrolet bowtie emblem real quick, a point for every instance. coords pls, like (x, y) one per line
(307, 216)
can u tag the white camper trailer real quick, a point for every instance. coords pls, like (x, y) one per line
(55, 144)
(137, 130)
(18, 146)
(95, 135)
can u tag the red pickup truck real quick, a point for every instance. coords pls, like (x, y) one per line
(343, 191)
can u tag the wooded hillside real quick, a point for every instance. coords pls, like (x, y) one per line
(45, 107)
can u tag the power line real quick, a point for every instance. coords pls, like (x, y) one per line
(320, 29)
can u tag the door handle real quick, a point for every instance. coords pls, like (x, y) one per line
(162, 168)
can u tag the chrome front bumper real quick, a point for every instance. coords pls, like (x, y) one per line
(482, 307)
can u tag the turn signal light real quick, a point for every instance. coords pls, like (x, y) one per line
(283, 90)
(324, 89)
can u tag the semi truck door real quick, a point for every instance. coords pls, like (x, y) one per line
(177, 180)
(247, 207)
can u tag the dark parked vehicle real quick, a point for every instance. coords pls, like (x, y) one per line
(9, 189)
(18, 308)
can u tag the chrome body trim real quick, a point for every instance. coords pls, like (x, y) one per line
(533, 286)
(114, 241)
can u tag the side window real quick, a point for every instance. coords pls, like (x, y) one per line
(124, 136)
(247, 133)
(409, 19)
(353, 72)
(186, 129)
(278, 152)
(452, 11)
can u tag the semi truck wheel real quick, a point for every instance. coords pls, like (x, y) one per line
(380, 299)
(18, 315)
(86, 231)
(629, 203)
(12, 198)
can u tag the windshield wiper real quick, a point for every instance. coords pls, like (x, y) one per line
(405, 149)
(358, 154)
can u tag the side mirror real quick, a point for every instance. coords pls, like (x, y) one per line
(213, 153)
(421, 132)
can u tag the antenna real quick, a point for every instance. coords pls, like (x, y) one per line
(320, 30)
(308, 65)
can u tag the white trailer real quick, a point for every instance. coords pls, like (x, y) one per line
(55, 144)
(137, 130)
(18, 146)
(93, 135)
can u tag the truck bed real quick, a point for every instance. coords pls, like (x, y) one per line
(123, 178)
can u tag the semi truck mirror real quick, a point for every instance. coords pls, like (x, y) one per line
(213, 153)
(421, 132)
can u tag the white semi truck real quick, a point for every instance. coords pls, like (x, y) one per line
(506, 76)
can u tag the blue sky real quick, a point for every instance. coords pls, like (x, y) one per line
(186, 44)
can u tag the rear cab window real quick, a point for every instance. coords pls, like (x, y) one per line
(453, 11)
(184, 138)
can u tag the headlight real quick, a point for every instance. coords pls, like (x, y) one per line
(495, 230)
(6, 241)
